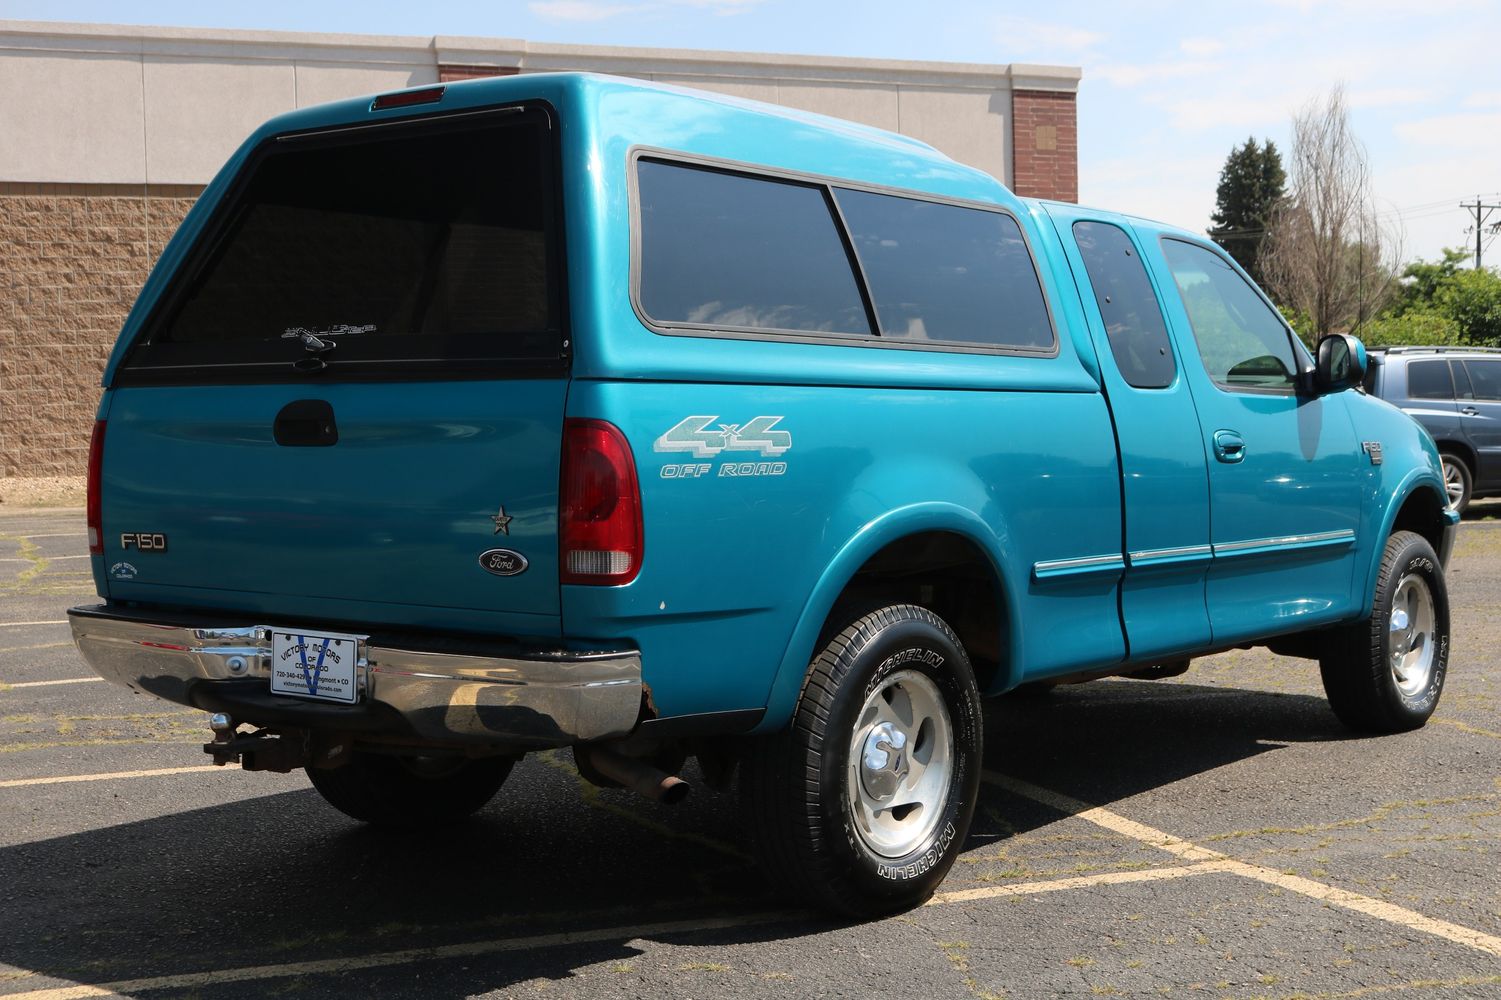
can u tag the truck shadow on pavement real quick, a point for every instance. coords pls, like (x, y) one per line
(283, 879)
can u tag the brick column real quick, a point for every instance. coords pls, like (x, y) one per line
(453, 72)
(1045, 144)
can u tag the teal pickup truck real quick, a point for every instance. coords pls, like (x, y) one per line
(568, 411)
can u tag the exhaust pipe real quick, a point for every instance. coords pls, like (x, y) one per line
(637, 775)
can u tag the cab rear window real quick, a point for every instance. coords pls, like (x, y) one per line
(428, 243)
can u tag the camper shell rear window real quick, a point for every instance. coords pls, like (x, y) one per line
(423, 245)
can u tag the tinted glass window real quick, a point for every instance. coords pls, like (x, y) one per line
(1241, 339)
(1429, 380)
(1485, 376)
(947, 273)
(1133, 319)
(726, 251)
(408, 243)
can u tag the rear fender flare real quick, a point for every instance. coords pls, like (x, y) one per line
(892, 526)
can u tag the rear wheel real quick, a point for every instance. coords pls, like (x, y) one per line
(410, 793)
(1457, 481)
(863, 803)
(1385, 674)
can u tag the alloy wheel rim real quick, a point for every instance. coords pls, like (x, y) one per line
(1410, 635)
(1454, 483)
(901, 763)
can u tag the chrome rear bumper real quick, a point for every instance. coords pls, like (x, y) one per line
(526, 699)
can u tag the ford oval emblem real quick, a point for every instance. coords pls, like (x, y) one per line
(502, 562)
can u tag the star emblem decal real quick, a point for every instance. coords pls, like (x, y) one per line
(502, 522)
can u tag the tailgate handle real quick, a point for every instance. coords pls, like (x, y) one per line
(306, 423)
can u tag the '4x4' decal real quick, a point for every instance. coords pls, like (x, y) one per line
(691, 434)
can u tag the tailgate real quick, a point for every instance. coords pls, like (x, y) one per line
(398, 511)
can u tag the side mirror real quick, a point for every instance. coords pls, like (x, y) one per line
(1340, 364)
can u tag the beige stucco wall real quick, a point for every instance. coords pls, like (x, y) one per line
(144, 105)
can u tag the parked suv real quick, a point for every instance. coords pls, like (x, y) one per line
(1455, 393)
(567, 411)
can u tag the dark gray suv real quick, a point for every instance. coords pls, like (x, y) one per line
(1454, 392)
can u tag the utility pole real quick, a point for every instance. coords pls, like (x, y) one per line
(1480, 213)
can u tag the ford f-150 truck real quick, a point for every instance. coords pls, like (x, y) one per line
(567, 411)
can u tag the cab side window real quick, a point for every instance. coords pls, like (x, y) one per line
(1133, 318)
(1242, 341)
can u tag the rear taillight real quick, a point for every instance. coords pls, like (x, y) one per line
(600, 537)
(96, 463)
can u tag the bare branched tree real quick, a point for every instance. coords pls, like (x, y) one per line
(1327, 252)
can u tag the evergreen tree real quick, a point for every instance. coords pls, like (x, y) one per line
(1251, 183)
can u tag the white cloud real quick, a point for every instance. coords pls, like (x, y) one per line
(1468, 131)
(1201, 46)
(582, 10)
(1484, 99)
(1136, 74)
(1387, 8)
(596, 10)
(1023, 35)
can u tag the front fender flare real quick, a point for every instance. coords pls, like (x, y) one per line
(1415, 480)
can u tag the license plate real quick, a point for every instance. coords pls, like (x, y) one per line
(315, 665)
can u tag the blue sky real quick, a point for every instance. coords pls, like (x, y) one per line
(1169, 87)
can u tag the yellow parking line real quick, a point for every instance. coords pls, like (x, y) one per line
(1377, 908)
(68, 680)
(1401, 916)
(1079, 882)
(61, 621)
(625, 934)
(357, 963)
(69, 778)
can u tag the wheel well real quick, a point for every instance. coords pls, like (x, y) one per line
(1423, 512)
(950, 576)
(1461, 451)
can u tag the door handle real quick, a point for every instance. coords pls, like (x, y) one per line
(1470, 411)
(1229, 446)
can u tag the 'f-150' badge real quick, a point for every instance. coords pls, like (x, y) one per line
(502, 562)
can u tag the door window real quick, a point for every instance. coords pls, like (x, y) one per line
(1243, 342)
(1485, 376)
(1429, 380)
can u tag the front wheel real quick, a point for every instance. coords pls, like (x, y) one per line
(410, 793)
(863, 803)
(1385, 674)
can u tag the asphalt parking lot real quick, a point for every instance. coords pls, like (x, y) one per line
(1213, 835)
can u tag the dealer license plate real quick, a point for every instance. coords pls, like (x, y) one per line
(309, 665)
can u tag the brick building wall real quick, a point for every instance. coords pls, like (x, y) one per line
(1045, 144)
(73, 258)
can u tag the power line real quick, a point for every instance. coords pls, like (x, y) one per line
(1480, 212)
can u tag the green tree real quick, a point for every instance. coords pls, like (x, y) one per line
(1421, 281)
(1251, 183)
(1472, 299)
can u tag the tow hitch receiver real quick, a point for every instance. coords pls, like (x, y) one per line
(264, 750)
